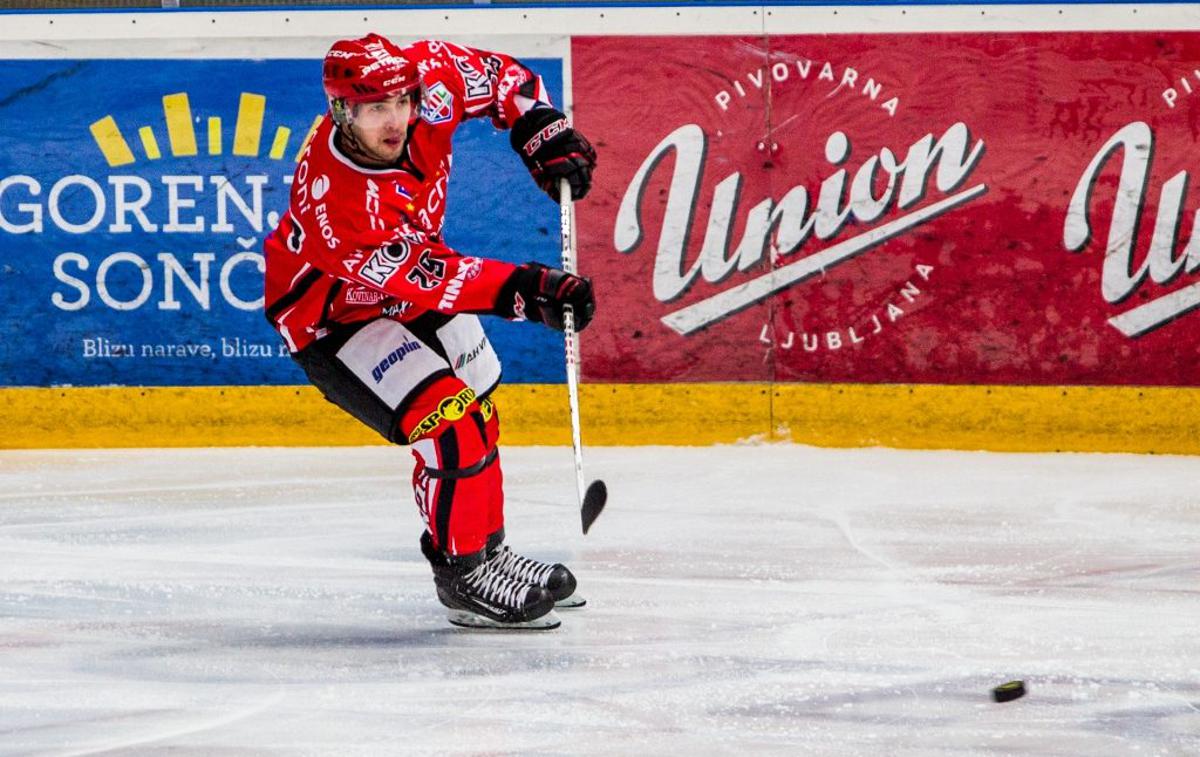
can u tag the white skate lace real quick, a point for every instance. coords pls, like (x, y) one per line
(497, 587)
(522, 568)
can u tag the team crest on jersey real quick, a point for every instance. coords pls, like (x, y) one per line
(437, 105)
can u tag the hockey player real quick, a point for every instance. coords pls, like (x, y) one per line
(383, 316)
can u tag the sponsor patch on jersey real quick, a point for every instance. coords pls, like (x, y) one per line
(477, 85)
(470, 267)
(395, 310)
(364, 296)
(319, 187)
(514, 76)
(384, 262)
(437, 104)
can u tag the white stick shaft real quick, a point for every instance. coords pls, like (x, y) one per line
(568, 262)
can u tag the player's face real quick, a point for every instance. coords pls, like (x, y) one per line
(381, 127)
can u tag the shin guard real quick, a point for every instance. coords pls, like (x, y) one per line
(457, 481)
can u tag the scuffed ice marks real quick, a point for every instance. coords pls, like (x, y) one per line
(214, 602)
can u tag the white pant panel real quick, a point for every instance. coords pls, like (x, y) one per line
(470, 353)
(390, 360)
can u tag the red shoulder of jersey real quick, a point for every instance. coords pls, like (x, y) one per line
(338, 205)
(459, 82)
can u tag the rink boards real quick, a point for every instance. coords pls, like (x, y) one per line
(1019, 419)
(908, 226)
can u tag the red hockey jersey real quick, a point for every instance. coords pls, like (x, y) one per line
(360, 243)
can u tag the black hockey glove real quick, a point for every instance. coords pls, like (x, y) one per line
(540, 294)
(552, 150)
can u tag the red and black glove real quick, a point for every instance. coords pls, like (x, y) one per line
(540, 294)
(552, 150)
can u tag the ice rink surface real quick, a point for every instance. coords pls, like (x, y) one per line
(771, 599)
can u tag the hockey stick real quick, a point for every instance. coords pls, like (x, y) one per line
(595, 496)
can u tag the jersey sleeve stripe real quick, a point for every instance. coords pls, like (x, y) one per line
(294, 295)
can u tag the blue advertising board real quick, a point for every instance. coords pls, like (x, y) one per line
(134, 199)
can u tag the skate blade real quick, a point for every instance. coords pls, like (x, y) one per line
(464, 619)
(570, 603)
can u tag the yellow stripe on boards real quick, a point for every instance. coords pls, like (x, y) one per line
(177, 111)
(308, 137)
(111, 142)
(176, 417)
(214, 135)
(1027, 419)
(149, 143)
(248, 131)
(279, 146)
(999, 418)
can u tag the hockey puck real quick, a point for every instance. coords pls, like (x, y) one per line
(1006, 692)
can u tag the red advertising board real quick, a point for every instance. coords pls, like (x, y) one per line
(932, 208)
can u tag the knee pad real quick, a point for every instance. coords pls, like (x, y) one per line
(450, 430)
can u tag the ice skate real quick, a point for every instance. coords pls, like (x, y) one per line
(480, 596)
(483, 597)
(555, 578)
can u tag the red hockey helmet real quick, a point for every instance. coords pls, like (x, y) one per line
(365, 69)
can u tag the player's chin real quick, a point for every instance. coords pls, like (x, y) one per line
(391, 148)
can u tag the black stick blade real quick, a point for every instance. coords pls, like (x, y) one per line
(594, 500)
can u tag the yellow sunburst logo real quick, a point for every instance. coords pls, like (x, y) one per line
(177, 116)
